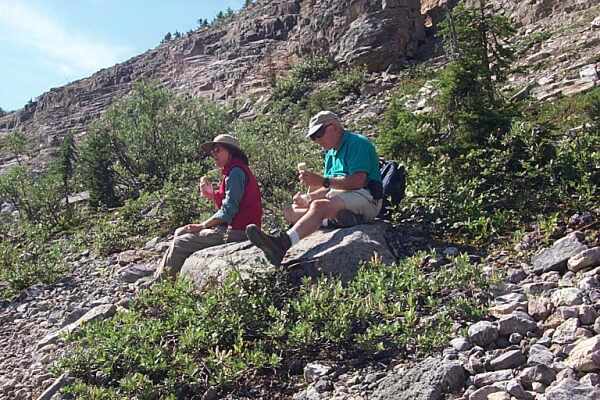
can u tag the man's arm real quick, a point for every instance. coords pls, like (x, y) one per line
(357, 180)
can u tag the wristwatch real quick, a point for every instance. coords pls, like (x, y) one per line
(326, 182)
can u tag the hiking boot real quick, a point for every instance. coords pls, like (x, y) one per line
(346, 218)
(273, 246)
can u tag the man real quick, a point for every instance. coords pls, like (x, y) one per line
(348, 192)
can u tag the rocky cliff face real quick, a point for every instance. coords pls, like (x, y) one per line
(238, 57)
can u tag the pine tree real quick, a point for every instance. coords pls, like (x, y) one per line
(167, 37)
(97, 169)
(66, 166)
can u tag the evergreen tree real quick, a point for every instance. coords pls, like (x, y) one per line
(167, 37)
(477, 43)
(2, 112)
(97, 168)
(66, 165)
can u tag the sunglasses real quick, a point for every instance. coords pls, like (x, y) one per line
(319, 134)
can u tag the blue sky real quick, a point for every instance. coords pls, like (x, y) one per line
(48, 43)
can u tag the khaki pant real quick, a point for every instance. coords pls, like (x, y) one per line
(185, 244)
(358, 201)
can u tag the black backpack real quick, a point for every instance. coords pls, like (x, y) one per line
(393, 179)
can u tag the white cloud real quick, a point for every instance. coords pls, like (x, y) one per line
(71, 52)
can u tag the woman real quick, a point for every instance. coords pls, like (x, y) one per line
(237, 200)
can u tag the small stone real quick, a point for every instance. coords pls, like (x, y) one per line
(510, 359)
(538, 387)
(597, 325)
(323, 385)
(566, 332)
(539, 308)
(588, 283)
(314, 371)
(518, 322)
(538, 373)
(484, 392)
(483, 333)
(587, 314)
(584, 357)
(567, 297)
(586, 259)
(460, 344)
(515, 338)
(590, 380)
(515, 389)
(488, 378)
(570, 389)
(539, 355)
(555, 258)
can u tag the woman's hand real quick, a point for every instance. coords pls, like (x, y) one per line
(193, 228)
(206, 188)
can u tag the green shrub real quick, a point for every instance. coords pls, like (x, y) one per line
(178, 342)
(29, 256)
(350, 80)
(140, 140)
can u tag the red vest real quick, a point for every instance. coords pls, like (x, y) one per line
(250, 211)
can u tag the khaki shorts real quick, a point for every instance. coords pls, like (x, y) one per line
(358, 201)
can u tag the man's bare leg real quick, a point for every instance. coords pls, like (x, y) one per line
(317, 212)
(293, 214)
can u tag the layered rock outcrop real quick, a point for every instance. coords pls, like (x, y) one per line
(239, 56)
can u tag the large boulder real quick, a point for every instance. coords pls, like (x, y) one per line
(555, 257)
(337, 252)
(429, 380)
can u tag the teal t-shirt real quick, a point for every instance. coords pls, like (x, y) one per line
(356, 154)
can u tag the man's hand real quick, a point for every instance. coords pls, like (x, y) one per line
(193, 228)
(301, 200)
(310, 178)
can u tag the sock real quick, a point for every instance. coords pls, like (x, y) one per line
(293, 235)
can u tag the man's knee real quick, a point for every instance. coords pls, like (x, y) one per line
(326, 208)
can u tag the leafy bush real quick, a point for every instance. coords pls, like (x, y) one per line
(28, 256)
(176, 342)
(350, 80)
(141, 139)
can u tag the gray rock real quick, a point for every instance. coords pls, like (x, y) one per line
(55, 387)
(567, 297)
(336, 252)
(555, 258)
(539, 355)
(460, 344)
(134, 272)
(585, 356)
(97, 313)
(323, 385)
(590, 380)
(539, 308)
(566, 332)
(314, 371)
(597, 325)
(484, 392)
(570, 389)
(588, 283)
(515, 389)
(587, 314)
(515, 338)
(538, 373)
(510, 359)
(489, 378)
(586, 259)
(428, 380)
(517, 322)
(483, 333)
